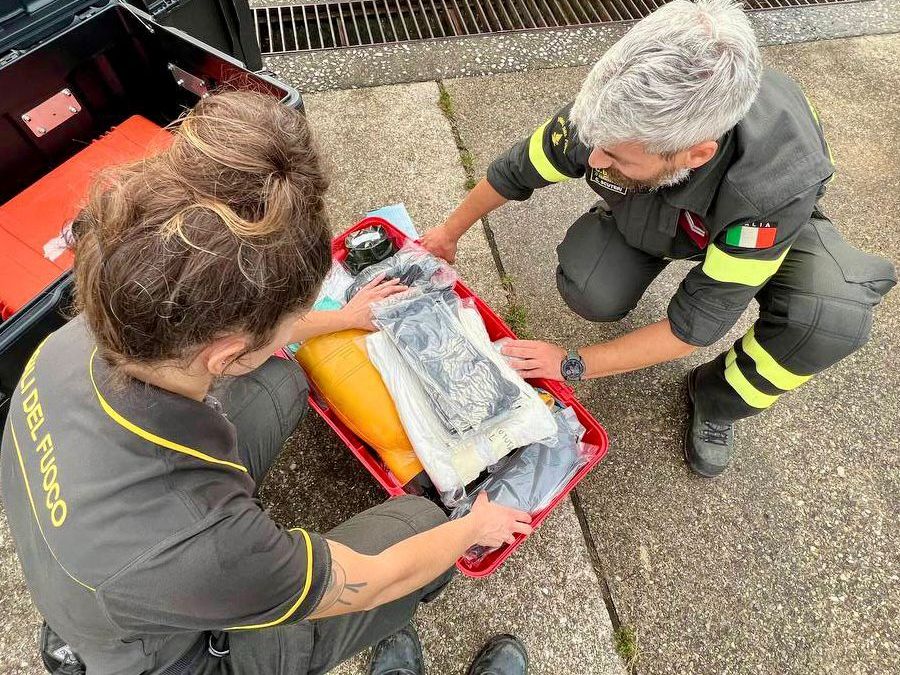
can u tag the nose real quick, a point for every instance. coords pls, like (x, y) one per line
(599, 159)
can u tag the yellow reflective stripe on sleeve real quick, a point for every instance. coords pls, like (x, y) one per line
(751, 395)
(303, 593)
(768, 367)
(539, 159)
(815, 113)
(722, 266)
(34, 509)
(149, 436)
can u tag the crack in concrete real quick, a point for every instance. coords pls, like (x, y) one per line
(597, 564)
(470, 178)
(506, 282)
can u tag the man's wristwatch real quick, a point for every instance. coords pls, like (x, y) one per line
(572, 367)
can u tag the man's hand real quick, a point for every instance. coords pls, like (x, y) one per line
(532, 358)
(441, 243)
(495, 524)
(358, 312)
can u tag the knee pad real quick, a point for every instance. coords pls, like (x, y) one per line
(593, 308)
(820, 331)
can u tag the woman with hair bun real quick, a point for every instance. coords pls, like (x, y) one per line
(140, 430)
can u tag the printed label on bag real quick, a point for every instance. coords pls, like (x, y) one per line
(501, 443)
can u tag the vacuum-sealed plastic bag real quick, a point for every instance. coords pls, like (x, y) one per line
(532, 477)
(452, 461)
(334, 288)
(413, 266)
(464, 386)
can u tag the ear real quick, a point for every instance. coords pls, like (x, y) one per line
(219, 356)
(700, 154)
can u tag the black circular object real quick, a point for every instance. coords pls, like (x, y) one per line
(366, 247)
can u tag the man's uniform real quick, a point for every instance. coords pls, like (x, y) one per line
(135, 519)
(750, 215)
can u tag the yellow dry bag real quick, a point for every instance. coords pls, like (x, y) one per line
(347, 380)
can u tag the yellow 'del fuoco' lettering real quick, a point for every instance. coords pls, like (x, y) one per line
(48, 481)
(30, 401)
(58, 513)
(28, 376)
(49, 501)
(27, 379)
(34, 415)
(26, 383)
(46, 444)
(35, 419)
(46, 460)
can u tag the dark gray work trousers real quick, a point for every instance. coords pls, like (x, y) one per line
(815, 310)
(265, 406)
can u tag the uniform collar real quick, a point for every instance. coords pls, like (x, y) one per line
(697, 193)
(181, 425)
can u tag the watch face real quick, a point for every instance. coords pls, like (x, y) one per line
(572, 369)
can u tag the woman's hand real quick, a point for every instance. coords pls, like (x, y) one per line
(496, 525)
(358, 312)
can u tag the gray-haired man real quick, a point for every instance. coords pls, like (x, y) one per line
(697, 153)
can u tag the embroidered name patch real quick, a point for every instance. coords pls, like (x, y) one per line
(755, 234)
(599, 176)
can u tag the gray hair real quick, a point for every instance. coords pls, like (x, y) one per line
(683, 75)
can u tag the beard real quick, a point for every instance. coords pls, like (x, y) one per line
(668, 177)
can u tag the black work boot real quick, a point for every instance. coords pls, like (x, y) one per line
(708, 442)
(502, 655)
(398, 654)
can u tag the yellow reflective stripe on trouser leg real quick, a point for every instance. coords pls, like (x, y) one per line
(722, 266)
(768, 367)
(751, 395)
(539, 159)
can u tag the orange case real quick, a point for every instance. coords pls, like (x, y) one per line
(345, 377)
(39, 213)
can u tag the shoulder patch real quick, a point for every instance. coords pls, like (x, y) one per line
(752, 234)
(561, 133)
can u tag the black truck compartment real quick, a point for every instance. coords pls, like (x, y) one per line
(116, 61)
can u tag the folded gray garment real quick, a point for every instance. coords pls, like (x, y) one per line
(414, 267)
(464, 387)
(532, 476)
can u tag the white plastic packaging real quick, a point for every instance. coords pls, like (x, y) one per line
(452, 461)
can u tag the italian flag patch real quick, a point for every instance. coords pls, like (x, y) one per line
(751, 235)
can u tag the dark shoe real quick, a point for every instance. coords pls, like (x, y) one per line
(502, 655)
(398, 654)
(708, 443)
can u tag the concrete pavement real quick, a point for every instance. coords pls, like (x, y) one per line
(786, 564)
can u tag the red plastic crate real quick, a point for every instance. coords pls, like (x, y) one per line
(595, 433)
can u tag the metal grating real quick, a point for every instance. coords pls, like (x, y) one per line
(333, 24)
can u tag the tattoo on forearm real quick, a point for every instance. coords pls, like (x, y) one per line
(339, 591)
